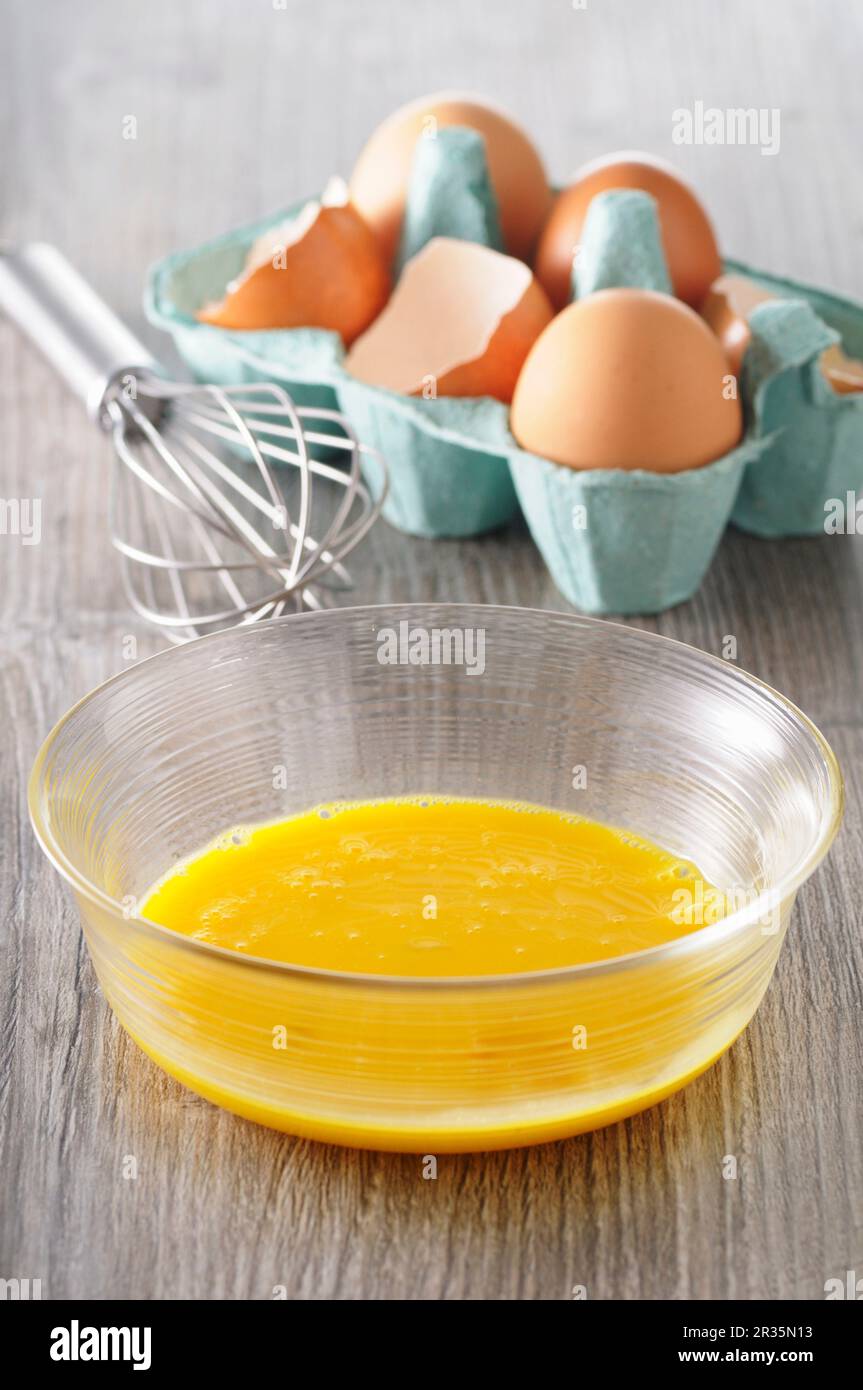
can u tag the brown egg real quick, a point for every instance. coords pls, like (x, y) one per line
(320, 269)
(626, 378)
(460, 322)
(727, 307)
(687, 236)
(379, 181)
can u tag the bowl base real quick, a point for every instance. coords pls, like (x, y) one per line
(430, 1139)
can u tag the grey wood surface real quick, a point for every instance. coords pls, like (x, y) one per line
(243, 107)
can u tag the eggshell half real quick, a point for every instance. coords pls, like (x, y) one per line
(626, 378)
(460, 322)
(687, 235)
(321, 269)
(845, 374)
(727, 307)
(380, 179)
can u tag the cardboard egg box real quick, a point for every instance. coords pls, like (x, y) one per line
(615, 541)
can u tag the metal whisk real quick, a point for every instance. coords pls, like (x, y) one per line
(209, 533)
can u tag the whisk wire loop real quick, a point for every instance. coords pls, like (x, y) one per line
(202, 466)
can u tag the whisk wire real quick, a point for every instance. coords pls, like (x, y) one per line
(206, 460)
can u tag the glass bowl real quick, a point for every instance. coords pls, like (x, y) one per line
(604, 720)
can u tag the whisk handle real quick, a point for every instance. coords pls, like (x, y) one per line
(79, 335)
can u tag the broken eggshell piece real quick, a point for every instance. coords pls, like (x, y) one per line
(728, 307)
(319, 269)
(843, 373)
(460, 322)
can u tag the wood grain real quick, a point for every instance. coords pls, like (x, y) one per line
(242, 108)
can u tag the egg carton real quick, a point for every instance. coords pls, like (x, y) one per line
(814, 436)
(448, 459)
(614, 541)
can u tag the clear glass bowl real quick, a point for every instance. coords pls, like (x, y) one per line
(262, 722)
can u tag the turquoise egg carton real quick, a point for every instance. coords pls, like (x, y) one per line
(614, 541)
(447, 459)
(630, 541)
(814, 451)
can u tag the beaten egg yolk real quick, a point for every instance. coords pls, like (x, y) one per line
(424, 887)
(448, 893)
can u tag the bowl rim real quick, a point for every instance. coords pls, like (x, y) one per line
(704, 937)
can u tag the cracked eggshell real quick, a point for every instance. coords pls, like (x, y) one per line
(380, 179)
(727, 307)
(687, 235)
(460, 322)
(320, 269)
(843, 373)
(627, 379)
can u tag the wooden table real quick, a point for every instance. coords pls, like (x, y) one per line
(242, 108)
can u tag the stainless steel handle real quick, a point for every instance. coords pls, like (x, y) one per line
(79, 335)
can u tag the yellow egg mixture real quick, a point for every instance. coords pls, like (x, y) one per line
(422, 888)
(425, 887)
